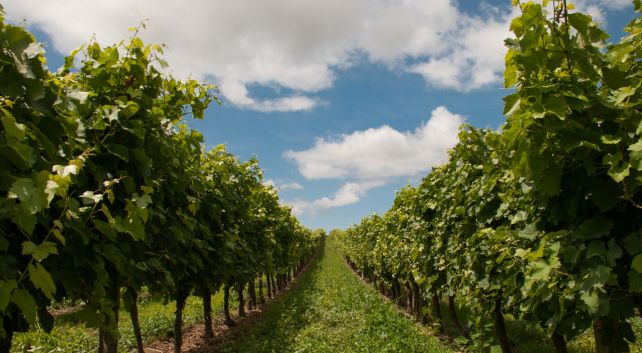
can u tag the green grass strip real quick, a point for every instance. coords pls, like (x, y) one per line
(331, 310)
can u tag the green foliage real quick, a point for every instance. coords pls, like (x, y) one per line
(544, 218)
(100, 176)
(578, 123)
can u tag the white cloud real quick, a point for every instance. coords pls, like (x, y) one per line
(284, 185)
(380, 153)
(296, 45)
(371, 158)
(236, 92)
(240, 43)
(474, 57)
(349, 194)
(293, 185)
(396, 29)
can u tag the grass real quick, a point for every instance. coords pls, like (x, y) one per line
(71, 334)
(156, 318)
(328, 310)
(331, 310)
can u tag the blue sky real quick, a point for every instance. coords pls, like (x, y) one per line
(342, 101)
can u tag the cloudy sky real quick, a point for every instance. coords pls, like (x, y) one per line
(342, 101)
